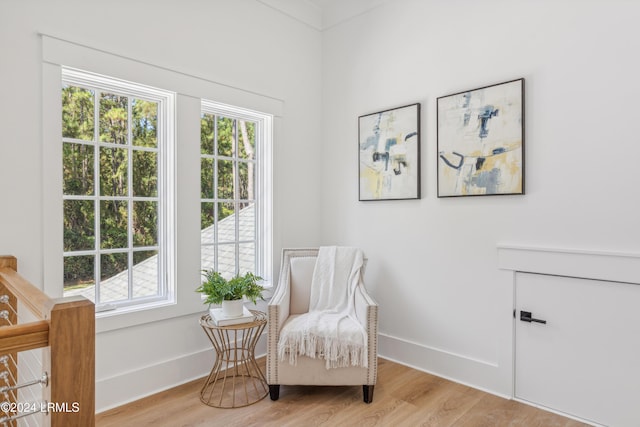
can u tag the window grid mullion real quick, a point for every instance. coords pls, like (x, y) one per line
(236, 193)
(257, 191)
(97, 213)
(129, 199)
(78, 141)
(162, 235)
(114, 198)
(216, 204)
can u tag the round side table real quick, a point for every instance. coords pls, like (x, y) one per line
(235, 379)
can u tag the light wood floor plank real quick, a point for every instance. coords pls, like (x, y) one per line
(402, 397)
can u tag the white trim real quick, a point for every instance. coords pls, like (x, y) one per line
(600, 252)
(460, 368)
(90, 80)
(135, 384)
(59, 51)
(439, 350)
(589, 264)
(234, 112)
(52, 180)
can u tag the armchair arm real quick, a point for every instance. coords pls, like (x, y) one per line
(277, 313)
(363, 305)
(278, 308)
(367, 313)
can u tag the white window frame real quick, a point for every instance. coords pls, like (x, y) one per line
(263, 180)
(166, 188)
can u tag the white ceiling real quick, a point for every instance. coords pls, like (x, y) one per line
(323, 14)
(321, 4)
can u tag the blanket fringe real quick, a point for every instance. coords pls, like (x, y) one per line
(337, 353)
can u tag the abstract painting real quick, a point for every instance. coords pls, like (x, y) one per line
(481, 141)
(389, 154)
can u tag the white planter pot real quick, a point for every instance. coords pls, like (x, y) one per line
(233, 308)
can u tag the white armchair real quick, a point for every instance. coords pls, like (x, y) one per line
(291, 298)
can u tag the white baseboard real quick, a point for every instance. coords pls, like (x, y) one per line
(133, 385)
(475, 373)
(136, 384)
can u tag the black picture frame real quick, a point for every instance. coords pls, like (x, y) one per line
(481, 141)
(389, 154)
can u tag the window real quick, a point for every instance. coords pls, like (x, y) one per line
(235, 190)
(172, 281)
(117, 143)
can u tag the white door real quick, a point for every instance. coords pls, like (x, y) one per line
(585, 360)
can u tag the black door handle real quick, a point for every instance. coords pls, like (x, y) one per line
(526, 316)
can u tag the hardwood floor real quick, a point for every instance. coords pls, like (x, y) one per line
(402, 397)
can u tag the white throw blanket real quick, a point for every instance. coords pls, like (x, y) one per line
(330, 330)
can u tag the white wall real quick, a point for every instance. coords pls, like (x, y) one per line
(444, 305)
(239, 43)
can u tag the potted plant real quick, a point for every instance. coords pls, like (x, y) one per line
(230, 293)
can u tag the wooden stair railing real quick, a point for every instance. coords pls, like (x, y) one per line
(66, 328)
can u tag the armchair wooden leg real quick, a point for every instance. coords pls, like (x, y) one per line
(367, 392)
(274, 391)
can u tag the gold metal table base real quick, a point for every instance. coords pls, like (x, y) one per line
(235, 379)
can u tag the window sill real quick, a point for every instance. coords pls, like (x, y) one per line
(127, 317)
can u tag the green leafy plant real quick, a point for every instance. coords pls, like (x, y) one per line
(217, 289)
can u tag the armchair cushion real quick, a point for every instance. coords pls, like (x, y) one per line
(316, 335)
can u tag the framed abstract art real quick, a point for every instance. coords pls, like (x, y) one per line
(389, 154)
(481, 141)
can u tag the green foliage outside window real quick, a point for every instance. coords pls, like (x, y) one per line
(218, 136)
(117, 115)
(110, 165)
